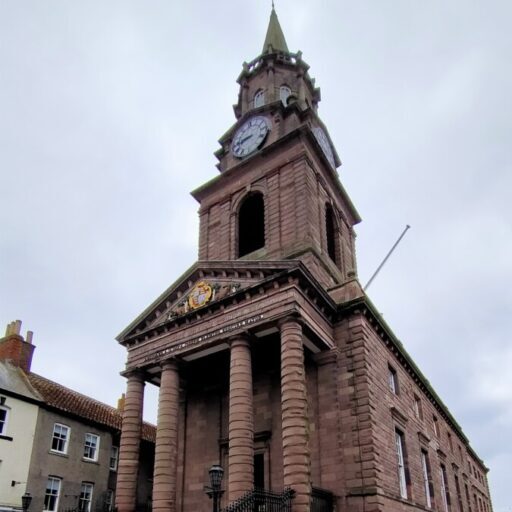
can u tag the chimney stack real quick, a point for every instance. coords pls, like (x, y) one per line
(15, 349)
(120, 403)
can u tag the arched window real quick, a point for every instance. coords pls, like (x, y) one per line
(284, 92)
(330, 230)
(259, 98)
(251, 224)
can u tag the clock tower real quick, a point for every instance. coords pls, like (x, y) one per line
(278, 195)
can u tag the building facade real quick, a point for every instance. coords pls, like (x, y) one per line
(56, 444)
(270, 358)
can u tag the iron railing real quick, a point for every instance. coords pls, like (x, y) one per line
(260, 500)
(321, 500)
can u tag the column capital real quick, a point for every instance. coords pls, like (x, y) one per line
(291, 318)
(168, 364)
(244, 338)
(134, 374)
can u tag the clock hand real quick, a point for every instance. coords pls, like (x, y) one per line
(246, 138)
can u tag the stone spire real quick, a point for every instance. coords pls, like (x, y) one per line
(274, 40)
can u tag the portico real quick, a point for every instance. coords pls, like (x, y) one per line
(270, 318)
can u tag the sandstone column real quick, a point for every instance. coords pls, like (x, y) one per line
(166, 448)
(295, 427)
(241, 428)
(128, 467)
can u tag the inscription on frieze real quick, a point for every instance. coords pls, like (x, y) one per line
(185, 345)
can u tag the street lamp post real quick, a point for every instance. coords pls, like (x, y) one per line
(214, 491)
(26, 499)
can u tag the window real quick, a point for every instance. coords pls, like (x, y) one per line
(392, 380)
(450, 442)
(259, 98)
(3, 420)
(425, 466)
(400, 455)
(51, 495)
(92, 443)
(114, 456)
(459, 494)
(85, 499)
(330, 231)
(468, 499)
(284, 92)
(60, 438)
(444, 489)
(251, 224)
(436, 426)
(109, 500)
(418, 412)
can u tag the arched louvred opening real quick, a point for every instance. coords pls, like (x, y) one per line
(284, 93)
(259, 98)
(251, 224)
(330, 230)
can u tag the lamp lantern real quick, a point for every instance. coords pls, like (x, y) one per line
(26, 499)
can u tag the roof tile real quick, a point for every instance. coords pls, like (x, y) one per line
(64, 399)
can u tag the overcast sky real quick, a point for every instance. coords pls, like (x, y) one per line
(109, 115)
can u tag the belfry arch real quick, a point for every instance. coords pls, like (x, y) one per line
(251, 224)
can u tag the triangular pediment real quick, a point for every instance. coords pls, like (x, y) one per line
(204, 285)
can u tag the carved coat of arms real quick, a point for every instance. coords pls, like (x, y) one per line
(200, 295)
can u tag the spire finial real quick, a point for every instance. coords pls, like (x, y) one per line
(274, 41)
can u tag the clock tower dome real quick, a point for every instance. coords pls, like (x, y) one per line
(278, 195)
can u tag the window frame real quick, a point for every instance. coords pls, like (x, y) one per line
(109, 500)
(427, 477)
(436, 425)
(85, 498)
(393, 380)
(89, 447)
(50, 496)
(401, 463)
(417, 407)
(459, 492)
(114, 456)
(444, 488)
(58, 439)
(5, 422)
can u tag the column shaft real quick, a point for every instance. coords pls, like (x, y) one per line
(241, 428)
(166, 448)
(294, 411)
(128, 467)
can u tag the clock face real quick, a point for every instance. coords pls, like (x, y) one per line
(250, 136)
(322, 139)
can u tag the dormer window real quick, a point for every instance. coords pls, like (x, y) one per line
(284, 93)
(259, 98)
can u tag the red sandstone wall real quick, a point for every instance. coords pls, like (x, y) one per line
(295, 198)
(379, 412)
